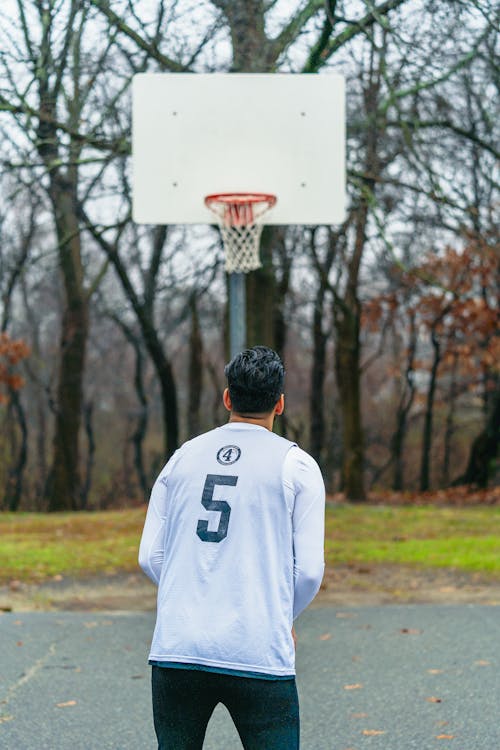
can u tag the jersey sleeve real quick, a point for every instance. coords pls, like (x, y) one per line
(151, 549)
(302, 476)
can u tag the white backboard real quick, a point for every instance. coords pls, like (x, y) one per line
(197, 134)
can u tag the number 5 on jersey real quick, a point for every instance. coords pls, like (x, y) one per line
(220, 506)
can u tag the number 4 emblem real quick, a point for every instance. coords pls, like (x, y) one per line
(229, 454)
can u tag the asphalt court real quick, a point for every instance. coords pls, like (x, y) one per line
(412, 677)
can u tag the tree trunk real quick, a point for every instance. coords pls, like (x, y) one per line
(428, 419)
(195, 371)
(89, 464)
(404, 406)
(348, 374)
(14, 485)
(137, 437)
(142, 421)
(483, 456)
(63, 485)
(168, 392)
(450, 422)
(347, 322)
(261, 289)
(318, 372)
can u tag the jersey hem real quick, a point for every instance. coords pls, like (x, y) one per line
(233, 667)
(220, 670)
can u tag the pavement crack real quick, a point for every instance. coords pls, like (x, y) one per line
(28, 675)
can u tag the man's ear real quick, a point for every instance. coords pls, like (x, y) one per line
(280, 405)
(226, 398)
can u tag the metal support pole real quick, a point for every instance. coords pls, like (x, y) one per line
(237, 313)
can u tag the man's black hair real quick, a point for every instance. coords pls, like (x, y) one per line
(255, 380)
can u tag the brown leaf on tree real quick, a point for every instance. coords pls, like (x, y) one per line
(11, 352)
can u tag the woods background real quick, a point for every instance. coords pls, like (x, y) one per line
(114, 335)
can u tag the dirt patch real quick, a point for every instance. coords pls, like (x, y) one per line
(360, 585)
(347, 585)
(122, 592)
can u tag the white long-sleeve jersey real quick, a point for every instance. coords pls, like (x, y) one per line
(234, 539)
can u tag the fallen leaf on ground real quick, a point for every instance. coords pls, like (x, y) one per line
(3, 719)
(345, 615)
(19, 643)
(482, 663)
(435, 671)
(373, 732)
(410, 631)
(445, 736)
(66, 704)
(359, 716)
(356, 686)
(325, 637)
(433, 699)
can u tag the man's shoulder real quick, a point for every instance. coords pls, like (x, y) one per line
(198, 440)
(298, 461)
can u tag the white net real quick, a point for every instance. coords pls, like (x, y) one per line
(241, 245)
(239, 218)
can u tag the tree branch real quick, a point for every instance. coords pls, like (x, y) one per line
(470, 135)
(358, 27)
(150, 47)
(118, 146)
(289, 34)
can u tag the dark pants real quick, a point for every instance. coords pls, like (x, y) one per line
(265, 712)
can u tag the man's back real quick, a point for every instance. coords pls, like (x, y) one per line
(226, 589)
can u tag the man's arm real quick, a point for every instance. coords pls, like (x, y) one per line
(302, 472)
(151, 550)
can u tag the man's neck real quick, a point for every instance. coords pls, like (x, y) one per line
(262, 420)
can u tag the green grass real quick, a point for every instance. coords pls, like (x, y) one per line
(35, 547)
(464, 538)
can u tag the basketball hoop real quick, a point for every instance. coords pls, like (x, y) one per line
(239, 218)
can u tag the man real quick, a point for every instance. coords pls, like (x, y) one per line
(234, 540)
